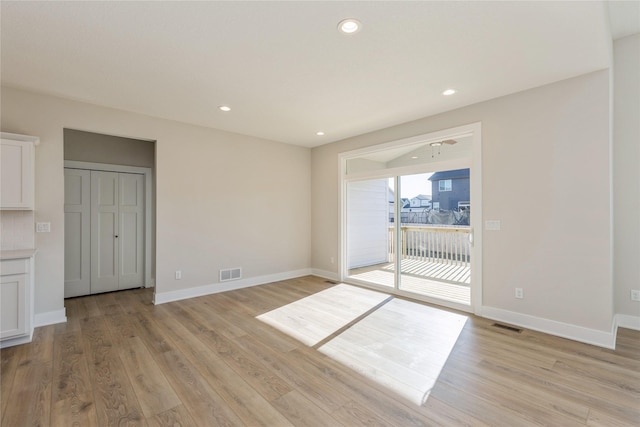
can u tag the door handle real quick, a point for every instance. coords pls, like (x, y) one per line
(116, 236)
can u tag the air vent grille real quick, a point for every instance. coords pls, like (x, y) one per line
(507, 327)
(230, 274)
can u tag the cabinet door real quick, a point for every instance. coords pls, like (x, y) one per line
(16, 174)
(12, 305)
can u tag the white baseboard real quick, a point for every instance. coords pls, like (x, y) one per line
(16, 341)
(628, 321)
(325, 274)
(164, 297)
(50, 318)
(605, 339)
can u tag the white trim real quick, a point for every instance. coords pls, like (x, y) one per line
(476, 217)
(16, 341)
(597, 337)
(149, 205)
(458, 132)
(330, 275)
(50, 318)
(214, 288)
(627, 321)
(461, 163)
(19, 137)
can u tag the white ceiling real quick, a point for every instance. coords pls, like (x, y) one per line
(284, 68)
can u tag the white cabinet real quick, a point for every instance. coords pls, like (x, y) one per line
(17, 164)
(16, 301)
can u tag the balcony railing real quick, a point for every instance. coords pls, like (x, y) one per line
(428, 243)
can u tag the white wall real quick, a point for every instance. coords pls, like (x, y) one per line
(545, 159)
(626, 175)
(222, 199)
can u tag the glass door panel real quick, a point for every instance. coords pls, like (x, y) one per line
(370, 231)
(434, 235)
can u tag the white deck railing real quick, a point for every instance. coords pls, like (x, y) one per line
(446, 245)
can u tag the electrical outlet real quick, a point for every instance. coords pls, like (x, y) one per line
(493, 224)
(635, 295)
(178, 274)
(519, 293)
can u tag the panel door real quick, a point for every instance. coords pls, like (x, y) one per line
(104, 232)
(131, 235)
(77, 232)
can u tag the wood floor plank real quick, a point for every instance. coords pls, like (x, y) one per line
(204, 404)
(70, 371)
(174, 417)
(10, 359)
(77, 410)
(244, 400)
(149, 383)
(116, 402)
(210, 361)
(310, 384)
(265, 382)
(29, 402)
(301, 412)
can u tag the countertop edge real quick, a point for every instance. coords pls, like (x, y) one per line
(17, 254)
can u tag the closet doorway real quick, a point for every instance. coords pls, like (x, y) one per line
(108, 216)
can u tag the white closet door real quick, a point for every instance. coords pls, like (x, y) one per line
(104, 232)
(77, 232)
(131, 235)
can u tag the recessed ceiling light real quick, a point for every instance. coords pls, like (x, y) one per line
(320, 133)
(414, 157)
(224, 108)
(349, 26)
(449, 92)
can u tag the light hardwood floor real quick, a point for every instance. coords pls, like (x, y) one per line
(208, 361)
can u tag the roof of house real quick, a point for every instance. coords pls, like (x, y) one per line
(454, 174)
(421, 197)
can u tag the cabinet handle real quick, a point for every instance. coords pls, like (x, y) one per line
(116, 236)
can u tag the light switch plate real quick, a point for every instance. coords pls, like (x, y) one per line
(43, 227)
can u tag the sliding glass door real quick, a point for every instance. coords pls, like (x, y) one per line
(407, 220)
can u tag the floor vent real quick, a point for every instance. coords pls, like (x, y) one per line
(230, 274)
(331, 282)
(507, 327)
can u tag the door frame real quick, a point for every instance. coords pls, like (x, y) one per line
(149, 279)
(475, 131)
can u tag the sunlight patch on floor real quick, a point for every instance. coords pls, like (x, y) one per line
(316, 317)
(402, 346)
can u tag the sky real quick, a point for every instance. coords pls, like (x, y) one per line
(412, 185)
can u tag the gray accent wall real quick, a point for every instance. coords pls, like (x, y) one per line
(100, 148)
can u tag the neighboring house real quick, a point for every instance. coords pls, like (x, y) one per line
(421, 201)
(450, 190)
